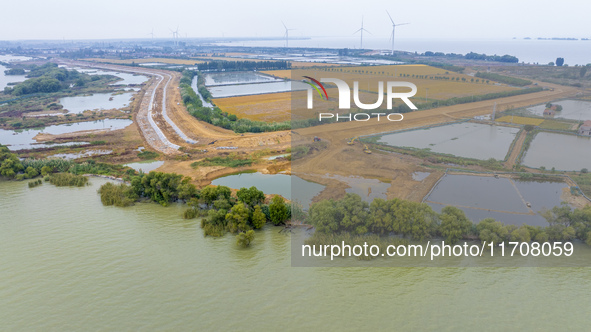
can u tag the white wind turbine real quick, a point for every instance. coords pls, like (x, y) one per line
(175, 35)
(394, 30)
(361, 30)
(286, 35)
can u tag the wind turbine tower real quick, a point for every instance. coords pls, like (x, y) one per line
(286, 35)
(394, 25)
(361, 30)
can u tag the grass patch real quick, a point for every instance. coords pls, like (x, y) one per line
(520, 120)
(220, 161)
(556, 125)
(147, 155)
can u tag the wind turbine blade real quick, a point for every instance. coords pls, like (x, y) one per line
(357, 31)
(390, 16)
(284, 25)
(368, 32)
(402, 24)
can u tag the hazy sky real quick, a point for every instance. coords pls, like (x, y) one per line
(82, 19)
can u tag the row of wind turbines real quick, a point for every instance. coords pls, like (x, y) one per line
(360, 31)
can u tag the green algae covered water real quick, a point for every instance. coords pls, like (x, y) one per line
(68, 263)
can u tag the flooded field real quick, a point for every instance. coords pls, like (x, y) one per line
(367, 189)
(146, 166)
(23, 139)
(563, 152)
(97, 101)
(256, 88)
(571, 109)
(289, 186)
(469, 140)
(237, 78)
(83, 154)
(503, 199)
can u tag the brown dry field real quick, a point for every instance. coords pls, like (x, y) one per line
(283, 106)
(433, 89)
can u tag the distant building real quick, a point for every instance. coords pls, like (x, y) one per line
(585, 128)
(550, 111)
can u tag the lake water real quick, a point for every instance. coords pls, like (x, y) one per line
(5, 79)
(69, 263)
(23, 139)
(288, 186)
(237, 78)
(145, 166)
(470, 140)
(529, 51)
(97, 101)
(254, 89)
(571, 109)
(503, 199)
(564, 152)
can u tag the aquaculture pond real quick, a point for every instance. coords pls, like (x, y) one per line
(507, 200)
(466, 139)
(571, 109)
(255, 88)
(563, 152)
(237, 78)
(289, 186)
(97, 101)
(23, 138)
(145, 166)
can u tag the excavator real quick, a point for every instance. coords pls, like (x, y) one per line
(365, 147)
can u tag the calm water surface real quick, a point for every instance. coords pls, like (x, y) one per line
(470, 140)
(68, 263)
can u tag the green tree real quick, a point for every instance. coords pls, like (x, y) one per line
(278, 210)
(454, 224)
(243, 239)
(492, 231)
(258, 218)
(251, 196)
(237, 218)
(10, 165)
(46, 170)
(559, 62)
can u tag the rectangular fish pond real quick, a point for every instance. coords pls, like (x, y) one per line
(506, 200)
(561, 151)
(237, 78)
(571, 109)
(465, 139)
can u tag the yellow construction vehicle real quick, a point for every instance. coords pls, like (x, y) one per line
(366, 149)
(352, 140)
